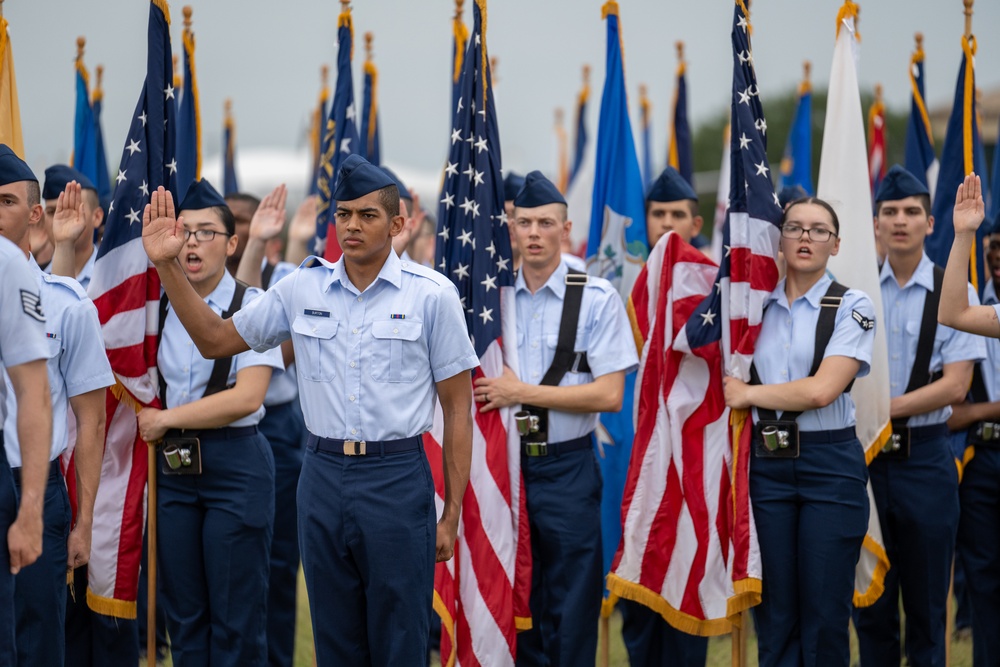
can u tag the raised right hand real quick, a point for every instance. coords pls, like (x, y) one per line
(969, 209)
(303, 225)
(162, 233)
(69, 220)
(269, 218)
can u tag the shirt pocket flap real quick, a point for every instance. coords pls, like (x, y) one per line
(315, 327)
(397, 329)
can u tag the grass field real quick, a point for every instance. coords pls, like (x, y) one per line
(719, 648)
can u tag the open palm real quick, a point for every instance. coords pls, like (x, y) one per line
(69, 220)
(269, 219)
(969, 208)
(162, 233)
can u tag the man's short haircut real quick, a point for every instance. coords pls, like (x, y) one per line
(925, 202)
(246, 198)
(388, 198)
(34, 193)
(563, 208)
(692, 206)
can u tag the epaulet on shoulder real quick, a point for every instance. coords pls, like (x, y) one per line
(602, 284)
(311, 262)
(66, 283)
(422, 271)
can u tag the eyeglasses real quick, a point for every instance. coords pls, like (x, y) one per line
(203, 235)
(817, 234)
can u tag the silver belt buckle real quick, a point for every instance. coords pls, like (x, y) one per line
(536, 448)
(355, 448)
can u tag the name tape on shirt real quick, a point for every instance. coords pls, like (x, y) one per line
(31, 304)
(316, 313)
(863, 322)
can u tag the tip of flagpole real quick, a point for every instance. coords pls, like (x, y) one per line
(369, 36)
(345, 5)
(228, 106)
(99, 70)
(878, 92)
(968, 17)
(80, 43)
(806, 70)
(586, 75)
(918, 37)
(559, 114)
(642, 90)
(187, 11)
(458, 9)
(680, 50)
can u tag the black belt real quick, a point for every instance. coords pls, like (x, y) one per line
(224, 433)
(55, 472)
(533, 449)
(985, 433)
(364, 447)
(922, 432)
(821, 437)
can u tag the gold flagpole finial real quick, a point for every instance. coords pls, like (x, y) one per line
(324, 75)
(100, 71)
(968, 17)
(559, 116)
(642, 90)
(918, 37)
(228, 107)
(680, 50)
(187, 16)
(586, 75)
(458, 9)
(878, 93)
(81, 42)
(345, 5)
(806, 70)
(369, 36)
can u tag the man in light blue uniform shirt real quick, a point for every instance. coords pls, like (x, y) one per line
(916, 482)
(23, 356)
(562, 478)
(72, 214)
(78, 371)
(377, 340)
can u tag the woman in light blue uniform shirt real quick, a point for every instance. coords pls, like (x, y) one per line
(811, 511)
(214, 527)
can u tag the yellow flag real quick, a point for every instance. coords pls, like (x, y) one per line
(10, 110)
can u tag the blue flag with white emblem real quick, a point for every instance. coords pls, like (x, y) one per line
(962, 153)
(340, 139)
(84, 134)
(616, 250)
(920, 159)
(796, 163)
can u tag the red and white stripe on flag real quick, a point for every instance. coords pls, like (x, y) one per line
(681, 552)
(482, 593)
(126, 290)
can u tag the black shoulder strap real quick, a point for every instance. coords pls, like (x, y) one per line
(827, 322)
(920, 374)
(164, 302)
(978, 391)
(565, 358)
(265, 275)
(219, 379)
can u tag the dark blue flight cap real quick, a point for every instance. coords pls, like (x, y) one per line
(537, 191)
(670, 186)
(404, 192)
(359, 177)
(512, 184)
(790, 193)
(899, 184)
(58, 176)
(201, 194)
(13, 168)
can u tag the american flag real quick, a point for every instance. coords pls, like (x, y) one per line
(126, 290)
(482, 593)
(340, 138)
(690, 547)
(876, 144)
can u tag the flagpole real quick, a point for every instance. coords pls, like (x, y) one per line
(151, 504)
(604, 637)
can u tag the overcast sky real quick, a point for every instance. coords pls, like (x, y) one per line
(266, 56)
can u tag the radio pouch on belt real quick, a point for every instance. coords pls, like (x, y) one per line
(182, 455)
(532, 421)
(898, 447)
(779, 437)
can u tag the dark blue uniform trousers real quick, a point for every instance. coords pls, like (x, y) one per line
(285, 430)
(564, 513)
(8, 512)
(40, 588)
(367, 533)
(979, 540)
(811, 515)
(652, 641)
(213, 548)
(96, 640)
(917, 502)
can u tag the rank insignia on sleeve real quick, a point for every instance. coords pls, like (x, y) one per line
(31, 304)
(863, 322)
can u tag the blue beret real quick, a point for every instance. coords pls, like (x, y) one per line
(404, 192)
(201, 194)
(899, 184)
(58, 176)
(359, 177)
(537, 191)
(791, 193)
(13, 168)
(670, 186)
(512, 184)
